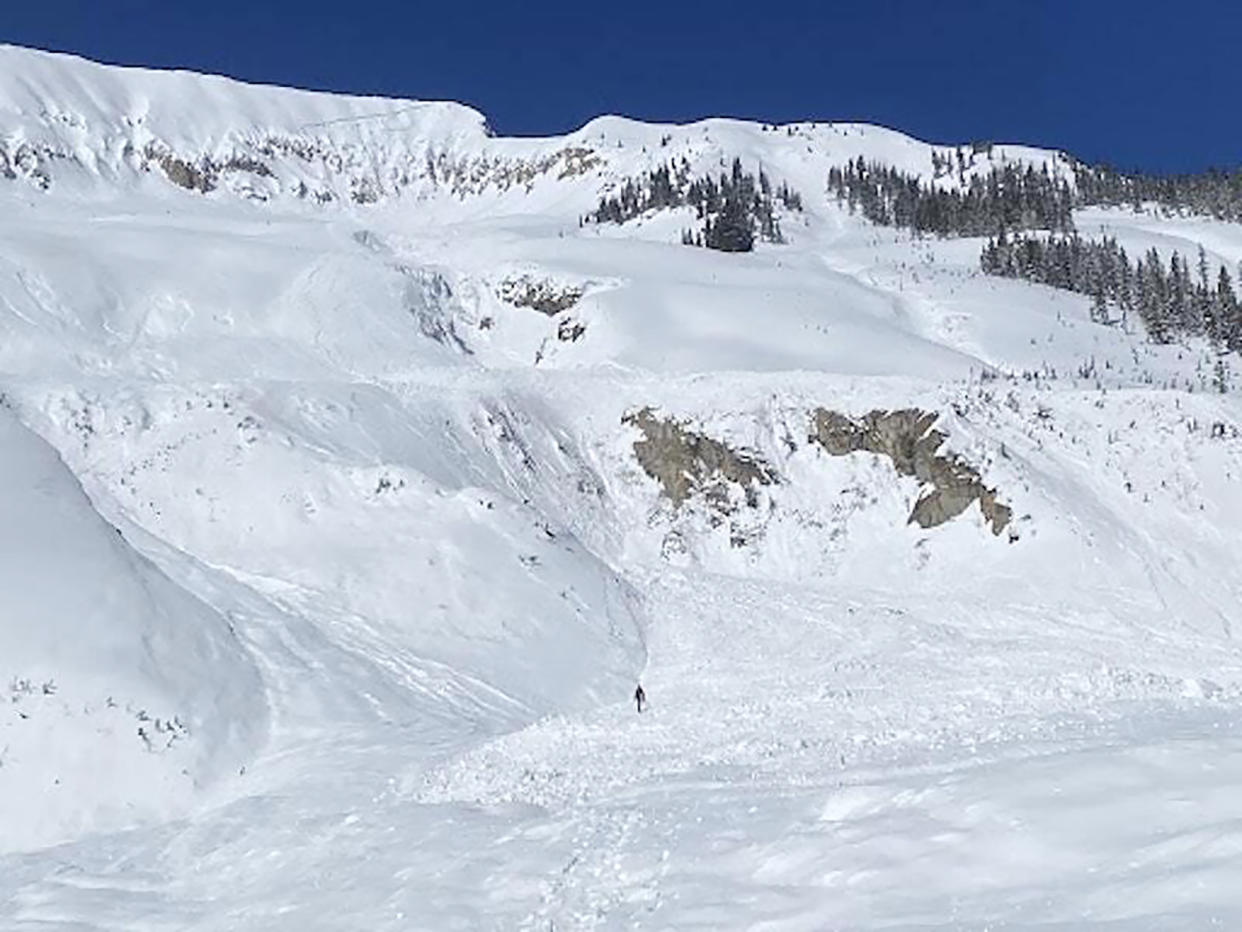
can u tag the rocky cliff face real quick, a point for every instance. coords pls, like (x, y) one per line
(685, 462)
(76, 125)
(909, 439)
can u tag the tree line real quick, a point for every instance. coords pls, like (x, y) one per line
(1009, 197)
(1172, 300)
(1213, 193)
(1014, 197)
(733, 210)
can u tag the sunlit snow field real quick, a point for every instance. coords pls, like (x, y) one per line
(327, 574)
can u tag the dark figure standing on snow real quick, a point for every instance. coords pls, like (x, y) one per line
(640, 697)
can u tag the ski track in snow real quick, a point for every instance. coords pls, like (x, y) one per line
(379, 560)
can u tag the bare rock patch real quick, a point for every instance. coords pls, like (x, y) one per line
(685, 462)
(909, 439)
(544, 296)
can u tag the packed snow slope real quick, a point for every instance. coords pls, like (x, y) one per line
(351, 483)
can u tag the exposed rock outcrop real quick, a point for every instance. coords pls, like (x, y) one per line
(546, 297)
(685, 462)
(909, 439)
(204, 175)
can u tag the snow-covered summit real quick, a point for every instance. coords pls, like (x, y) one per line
(85, 128)
(48, 97)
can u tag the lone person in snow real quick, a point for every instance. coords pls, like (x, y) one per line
(640, 697)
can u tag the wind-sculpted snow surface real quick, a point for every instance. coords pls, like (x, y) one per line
(351, 483)
(122, 695)
(344, 507)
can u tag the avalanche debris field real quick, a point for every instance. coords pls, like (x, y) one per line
(355, 465)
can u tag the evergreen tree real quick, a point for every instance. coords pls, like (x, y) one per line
(731, 231)
(732, 208)
(1228, 313)
(1169, 302)
(1007, 197)
(1213, 193)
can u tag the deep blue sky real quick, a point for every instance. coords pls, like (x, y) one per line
(1139, 84)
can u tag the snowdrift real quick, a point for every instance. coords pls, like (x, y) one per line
(123, 695)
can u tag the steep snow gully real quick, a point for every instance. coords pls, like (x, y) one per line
(349, 483)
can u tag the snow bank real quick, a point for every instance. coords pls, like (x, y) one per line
(121, 694)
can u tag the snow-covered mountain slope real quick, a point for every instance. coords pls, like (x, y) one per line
(123, 693)
(416, 475)
(71, 125)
